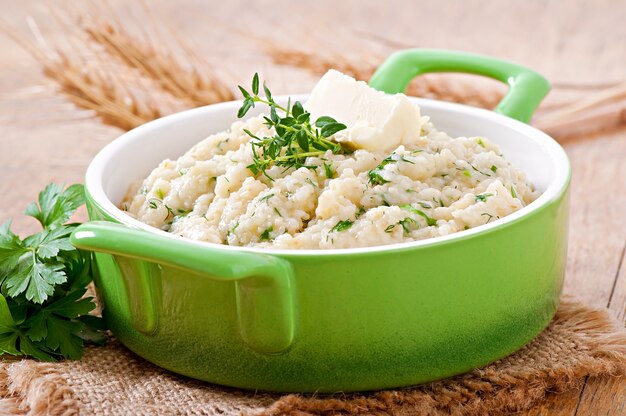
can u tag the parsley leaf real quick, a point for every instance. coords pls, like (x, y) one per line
(11, 249)
(56, 205)
(34, 278)
(43, 310)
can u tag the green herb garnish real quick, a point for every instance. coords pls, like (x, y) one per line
(266, 198)
(342, 226)
(390, 228)
(482, 197)
(405, 223)
(170, 211)
(265, 235)
(513, 193)
(328, 170)
(490, 217)
(375, 177)
(232, 230)
(482, 173)
(43, 313)
(430, 221)
(296, 137)
(494, 168)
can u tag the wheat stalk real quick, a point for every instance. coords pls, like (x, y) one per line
(189, 83)
(595, 120)
(123, 79)
(108, 94)
(88, 84)
(599, 99)
(599, 111)
(127, 79)
(436, 86)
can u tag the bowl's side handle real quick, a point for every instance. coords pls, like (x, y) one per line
(526, 87)
(264, 283)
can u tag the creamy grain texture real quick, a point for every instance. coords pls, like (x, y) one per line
(430, 186)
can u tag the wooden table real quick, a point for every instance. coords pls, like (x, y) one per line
(43, 138)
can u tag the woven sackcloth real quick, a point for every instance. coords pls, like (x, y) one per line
(111, 380)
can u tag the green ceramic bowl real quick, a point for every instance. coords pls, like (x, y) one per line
(353, 319)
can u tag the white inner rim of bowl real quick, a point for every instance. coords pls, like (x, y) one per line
(133, 155)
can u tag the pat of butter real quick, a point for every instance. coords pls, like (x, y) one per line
(375, 121)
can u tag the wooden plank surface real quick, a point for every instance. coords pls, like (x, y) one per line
(43, 138)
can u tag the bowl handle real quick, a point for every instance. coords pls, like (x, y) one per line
(264, 283)
(526, 87)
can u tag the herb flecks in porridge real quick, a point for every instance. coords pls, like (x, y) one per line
(353, 167)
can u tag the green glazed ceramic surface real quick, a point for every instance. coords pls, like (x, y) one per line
(325, 321)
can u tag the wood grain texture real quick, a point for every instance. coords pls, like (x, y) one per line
(43, 138)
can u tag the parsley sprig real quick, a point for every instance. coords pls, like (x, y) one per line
(43, 311)
(296, 138)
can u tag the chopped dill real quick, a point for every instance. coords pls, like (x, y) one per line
(266, 198)
(482, 197)
(232, 230)
(375, 178)
(328, 170)
(342, 226)
(430, 221)
(405, 223)
(488, 215)
(265, 235)
(170, 212)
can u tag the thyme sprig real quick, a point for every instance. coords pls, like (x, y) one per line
(296, 136)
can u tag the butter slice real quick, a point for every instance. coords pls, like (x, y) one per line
(375, 121)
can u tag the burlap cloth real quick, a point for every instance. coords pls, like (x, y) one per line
(111, 380)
